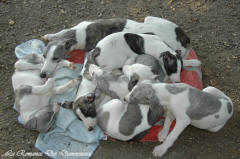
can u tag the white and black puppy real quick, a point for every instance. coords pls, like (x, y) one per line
(208, 109)
(32, 93)
(108, 85)
(118, 49)
(87, 33)
(146, 63)
(118, 119)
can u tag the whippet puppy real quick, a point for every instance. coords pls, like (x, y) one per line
(109, 85)
(208, 109)
(32, 93)
(144, 67)
(118, 119)
(86, 34)
(118, 49)
(144, 63)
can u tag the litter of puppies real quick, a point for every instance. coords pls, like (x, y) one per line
(123, 86)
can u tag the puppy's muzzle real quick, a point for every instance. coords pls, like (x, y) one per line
(43, 74)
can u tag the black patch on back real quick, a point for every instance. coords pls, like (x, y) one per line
(170, 62)
(101, 28)
(135, 42)
(182, 37)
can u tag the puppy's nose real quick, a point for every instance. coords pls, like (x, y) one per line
(43, 75)
(90, 128)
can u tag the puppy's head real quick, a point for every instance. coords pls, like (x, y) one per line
(137, 73)
(55, 52)
(85, 109)
(141, 93)
(173, 65)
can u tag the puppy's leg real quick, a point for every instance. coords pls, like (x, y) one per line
(181, 124)
(43, 88)
(61, 89)
(167, 123)
(58, 35)
(22, 65)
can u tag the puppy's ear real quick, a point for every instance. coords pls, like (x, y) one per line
(133, 81)
(69, 43)
(135, 42)
(97, 92)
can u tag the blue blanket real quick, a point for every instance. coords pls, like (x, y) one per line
(69, 139)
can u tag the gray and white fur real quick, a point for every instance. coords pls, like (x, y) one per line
(32, 93)
(208, 109)
(86, 34)
(144, 67)
(119, 49)
(118, 119)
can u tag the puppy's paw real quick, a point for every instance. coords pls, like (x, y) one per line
(56, 107)
(159, 151)
(75, 82)
(47, 37)
(72, 66)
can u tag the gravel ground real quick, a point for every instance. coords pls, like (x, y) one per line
(213, 26)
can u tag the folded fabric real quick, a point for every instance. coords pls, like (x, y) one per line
(69, 139)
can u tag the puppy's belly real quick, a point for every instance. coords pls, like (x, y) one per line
(31, 104)
(31, 78)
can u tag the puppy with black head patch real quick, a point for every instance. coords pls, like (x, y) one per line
(122, 48)
(86, 34)
(208, 109)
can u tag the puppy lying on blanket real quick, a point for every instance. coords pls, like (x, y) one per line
(144, 67)
(32, 93)
(118, 119)
(209, 109)
(86, 34)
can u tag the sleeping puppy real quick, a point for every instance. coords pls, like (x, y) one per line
(86, 34)
(32, 93)
(208, 109)
(109, 85)
(118, 49)
(144, 67)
